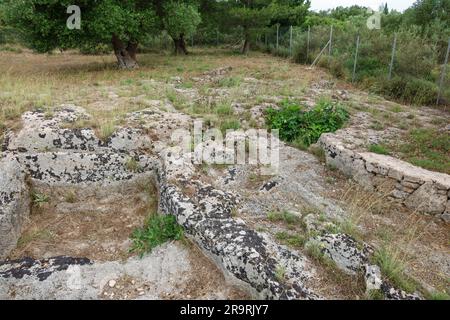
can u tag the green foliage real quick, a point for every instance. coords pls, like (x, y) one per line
(181, 18)
(158, 229)
(410, 90)
(42, 23)
(294, 123)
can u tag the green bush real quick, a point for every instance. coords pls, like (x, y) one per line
(411, 90)
(158, 229)
(306, 127)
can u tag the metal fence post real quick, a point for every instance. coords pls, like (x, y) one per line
(217, 37)
(356, 59)
(443, 73)
(391, 66)
(308, 43)
(278, 30)
(331, 41)
(290, 41)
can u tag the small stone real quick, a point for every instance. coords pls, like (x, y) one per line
(446, 217)
(112, 283)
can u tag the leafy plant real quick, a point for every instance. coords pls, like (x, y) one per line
(158, 229)
(295, 124)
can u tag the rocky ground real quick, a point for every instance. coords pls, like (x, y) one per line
(306, 231)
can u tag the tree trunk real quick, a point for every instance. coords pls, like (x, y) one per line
(246, 47)
(180, 45)
(126, 56)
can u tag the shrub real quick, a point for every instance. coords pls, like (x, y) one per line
(306, 126)
(158, 229)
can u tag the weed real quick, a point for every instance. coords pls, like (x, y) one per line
(40, 199)
(280, 273)
(158, 229)
(231, 124)
(285, 216)
(295, 124)
(375, 295)
(224, 110)
(70, 197)
(391, 263)
(439, 295)
(106, 130)
(379, 149)
(296, 241)
(132, 165)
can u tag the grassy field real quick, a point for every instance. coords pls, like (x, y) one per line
(29, 81)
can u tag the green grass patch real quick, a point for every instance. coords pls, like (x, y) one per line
(284, 216)
(224, 110)
(427, 148)
(229, 124)
(292, 240)
(157, 230)
(392, 267)
(379, 149)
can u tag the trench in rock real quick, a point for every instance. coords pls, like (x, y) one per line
(95, 224)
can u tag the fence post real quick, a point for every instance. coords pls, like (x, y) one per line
(443, 73)
(308, 44)
(331, 41)
(290, 41)
(356, 59)
(217, 37)
(391, 66)
(278, 30)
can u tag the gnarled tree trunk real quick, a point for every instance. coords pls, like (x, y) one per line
(180, 45)
(126, 55)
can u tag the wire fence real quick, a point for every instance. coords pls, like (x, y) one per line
(403, 65)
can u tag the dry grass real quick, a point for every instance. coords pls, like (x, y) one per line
(407, 244)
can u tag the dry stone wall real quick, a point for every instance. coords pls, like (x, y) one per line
(418, 189)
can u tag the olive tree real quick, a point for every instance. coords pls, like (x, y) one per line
(180, 20)
(43, 26)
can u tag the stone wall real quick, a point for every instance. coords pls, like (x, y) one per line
(418, 189)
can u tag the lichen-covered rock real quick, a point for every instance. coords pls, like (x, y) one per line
(41, 133)
(375, 282)
(14, 202)
(373, 278)
(41, 269)
(345, 251)
(59, 168)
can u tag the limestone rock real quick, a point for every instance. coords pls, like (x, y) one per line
(427, 199)
(14, 202)
(344, 251)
